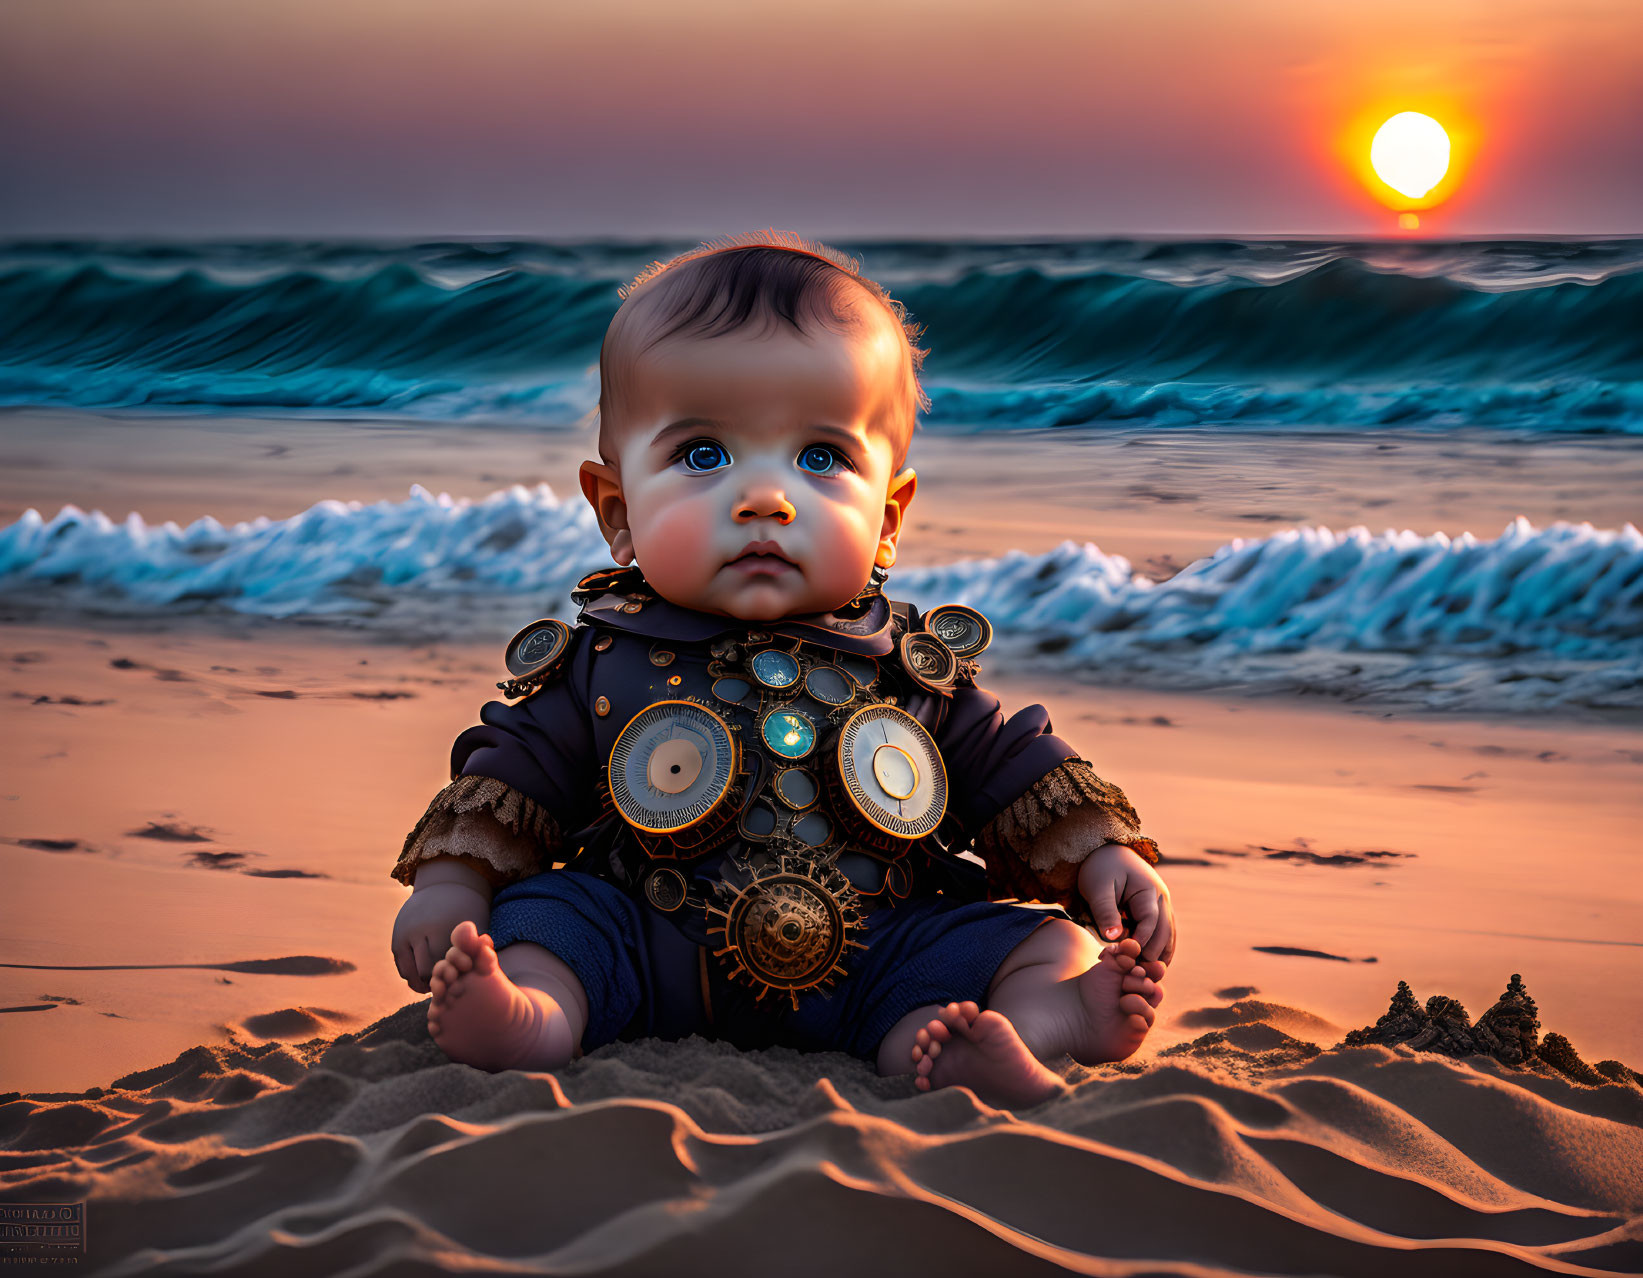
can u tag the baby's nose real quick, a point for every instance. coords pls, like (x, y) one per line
(765, 502)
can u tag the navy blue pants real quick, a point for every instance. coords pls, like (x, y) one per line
(644, 977)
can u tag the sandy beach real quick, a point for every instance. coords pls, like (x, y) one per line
(202, 1033)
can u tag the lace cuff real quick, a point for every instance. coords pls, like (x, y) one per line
(486, 824)
(1027, 861)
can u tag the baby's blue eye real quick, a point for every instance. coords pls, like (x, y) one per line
(819, 459)
(705, 456)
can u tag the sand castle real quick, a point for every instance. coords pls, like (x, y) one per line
(1509, 1031)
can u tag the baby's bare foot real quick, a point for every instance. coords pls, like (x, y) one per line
(1119, 998)
(481, 1018)
(966, 1046)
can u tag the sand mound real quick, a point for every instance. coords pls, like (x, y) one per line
(1248, 1152)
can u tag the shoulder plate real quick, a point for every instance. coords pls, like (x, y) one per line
(537, 655)
(621, 581)
(962, 629)
(938, 649)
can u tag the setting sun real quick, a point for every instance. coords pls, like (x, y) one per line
(1410, 153)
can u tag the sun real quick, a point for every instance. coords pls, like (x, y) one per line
(1410, 153)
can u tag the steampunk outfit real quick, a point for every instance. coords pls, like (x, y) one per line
(750, 830)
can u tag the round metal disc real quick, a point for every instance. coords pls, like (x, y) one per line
(665, 888)
(829, 685)
(789, 733)
(928, 660)
(759, 821)
(892, 771)
(796, 788)
(535, 646)
(813, 828)
(671, 766)
(864, 670)
(731, 689)
(962, 629)
(775, 668)
(787, 930)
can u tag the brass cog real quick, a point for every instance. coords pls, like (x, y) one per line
(788, 929)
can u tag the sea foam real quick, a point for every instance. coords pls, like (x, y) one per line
(1561, 605)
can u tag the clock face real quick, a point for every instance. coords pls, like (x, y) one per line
(671, 767)
(892, 771)
(535, 646)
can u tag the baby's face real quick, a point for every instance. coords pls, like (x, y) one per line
(755, 476)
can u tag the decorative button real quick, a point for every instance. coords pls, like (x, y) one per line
(661, 657)
(536, 646)
(665, 889)
(929, 660)
(731, 689)
(601, 643)
(789, 733)
(674, 682)
(601, 707)
(813, 828)
(633, 605)
(829, 685)
(864, 670)
(962, 629)
(775, 668)
(796, 788)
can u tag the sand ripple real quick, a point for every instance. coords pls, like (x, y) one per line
(373, 1154)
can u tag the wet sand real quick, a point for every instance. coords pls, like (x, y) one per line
(193, 798)
(1159, 497)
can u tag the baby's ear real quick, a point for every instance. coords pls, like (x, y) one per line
(602, 486)
(896, 500)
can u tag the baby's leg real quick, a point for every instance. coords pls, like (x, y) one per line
(1058, 993)
(1067, 995)
(522, 1008)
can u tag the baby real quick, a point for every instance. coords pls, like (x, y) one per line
(729, 800)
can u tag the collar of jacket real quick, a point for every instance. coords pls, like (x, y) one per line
(628, 602)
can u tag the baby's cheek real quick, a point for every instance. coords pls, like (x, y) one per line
(674, 545)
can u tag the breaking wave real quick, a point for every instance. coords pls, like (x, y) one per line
(1559, 609)
(1543, 335)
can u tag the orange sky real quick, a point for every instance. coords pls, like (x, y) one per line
(425, 117)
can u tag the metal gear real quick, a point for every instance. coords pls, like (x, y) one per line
(788, 928)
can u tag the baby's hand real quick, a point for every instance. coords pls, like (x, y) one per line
(1114, 876)
(422, 932)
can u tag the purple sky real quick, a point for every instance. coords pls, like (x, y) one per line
(180, 118)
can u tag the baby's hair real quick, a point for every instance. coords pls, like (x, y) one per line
(757, 277)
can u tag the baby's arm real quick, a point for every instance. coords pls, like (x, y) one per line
(1038, 812)
(516, 776)
(476, 836)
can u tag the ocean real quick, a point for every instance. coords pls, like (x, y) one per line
(1532, 334)
(1524, 338)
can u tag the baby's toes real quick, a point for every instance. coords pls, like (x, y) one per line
(459, 958)
(1135, 1005)
(935, 1032)
(959, 1018)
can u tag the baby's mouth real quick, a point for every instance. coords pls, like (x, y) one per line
(762, 557)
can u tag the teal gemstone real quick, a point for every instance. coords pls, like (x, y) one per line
(789, 733)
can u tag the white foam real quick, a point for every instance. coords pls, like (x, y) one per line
(1544, 607)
